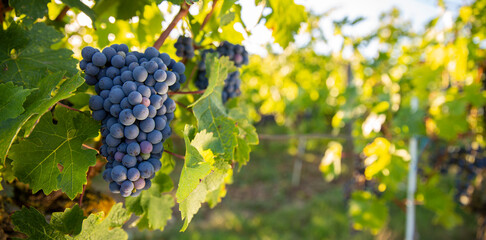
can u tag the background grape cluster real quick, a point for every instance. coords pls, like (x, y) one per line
(469, 163)
(184, 47)
(135, 110)
(238, 55)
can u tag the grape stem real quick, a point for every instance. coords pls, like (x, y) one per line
(182, 12)
(182, 105)
(62, 14)
(206, 19)
(175, 154)
(68, 107)
(190, 92)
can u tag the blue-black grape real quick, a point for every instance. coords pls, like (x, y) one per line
(116, 95)
(140, 112)
(154, 137)
(147, 125)
(134, 98)
(114, 187)
(118, 61)
(99, 59)
(146, 169)
(129, 160)
(95, 102)
(126, 117)
(119, 173)
(140, 74)
(133, 174)
(133, 149)
(131, 131)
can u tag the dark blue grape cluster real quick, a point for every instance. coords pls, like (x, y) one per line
(238, 55)
(469, 163)
(184, 47)
(135, 110)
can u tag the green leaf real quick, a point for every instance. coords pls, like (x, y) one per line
(227, 18)
(128, 8)
(200, 174)
(12, 99)
(153, 207)
(210, 112)
(191, 205)
(242, 155)
(68, 222)
(32, 223)
(81, 6)
(196, 166)
(32, 57)
(95, 227)
(33, 9)
(36, 159)
(227, 4)
(285, 20)
(37, 103)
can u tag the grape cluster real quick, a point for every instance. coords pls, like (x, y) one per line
(238, 55)
(469, 163)
(184, 48)
(135, 110)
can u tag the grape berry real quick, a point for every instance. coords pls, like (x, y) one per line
(135, 111)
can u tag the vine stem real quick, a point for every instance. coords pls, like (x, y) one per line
(190, 92)
(175, 154)
(182, 12)
(81, 196)
(62, 14)
(68, 107)
(206, 19)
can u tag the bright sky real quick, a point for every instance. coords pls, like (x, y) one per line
(416, 11)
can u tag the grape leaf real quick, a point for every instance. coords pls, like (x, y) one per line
(37, 103)
(284, 28)
(36, 159)
(153, 207)
(81, 6)
(128, 8)
(12, 99)
(190, 205)
(210, 112)
(197, 164)
(98, 227)
(227, 4)
(68, 222)
(32, 57)
(32, 9)
(33, 224)
(200, 174)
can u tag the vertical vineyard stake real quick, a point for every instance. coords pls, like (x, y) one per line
(412, 180)
(298, 162)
